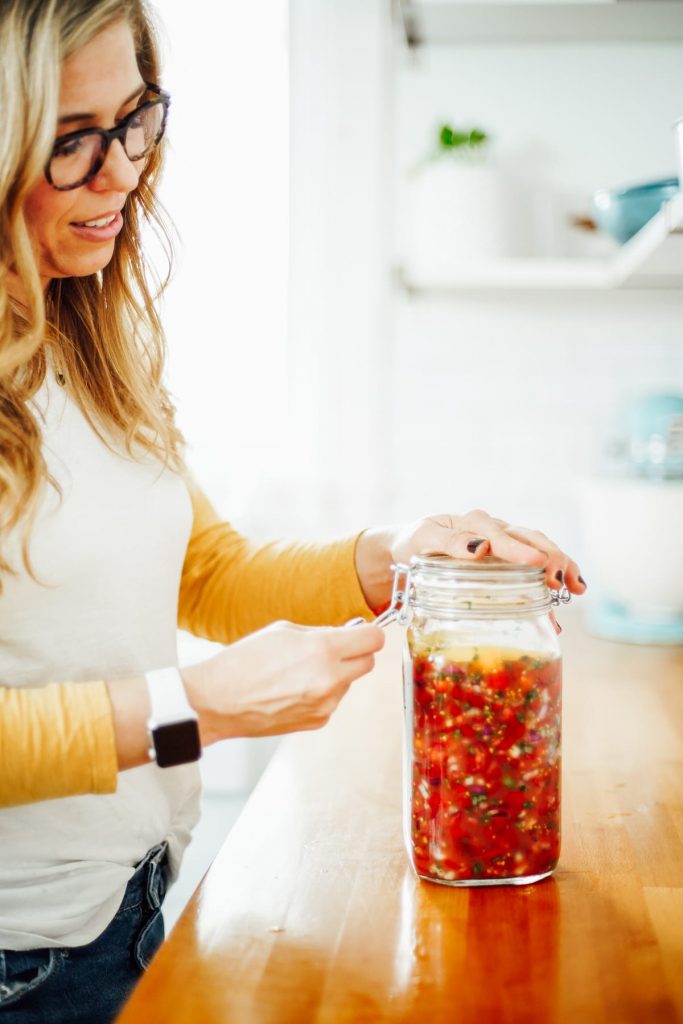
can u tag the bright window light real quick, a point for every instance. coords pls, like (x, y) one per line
(226, 187)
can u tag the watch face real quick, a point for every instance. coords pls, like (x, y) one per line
(177, 743)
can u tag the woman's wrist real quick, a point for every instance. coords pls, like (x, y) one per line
(129, 700)
(195, 679)
(374, 558)
(130, 710)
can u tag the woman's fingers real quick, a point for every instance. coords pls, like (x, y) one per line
(477, 534)
(471, 536)
(502, 543)
(354, 669)
(560, 568)
(356, 642)
(468, 545)
(280, 679)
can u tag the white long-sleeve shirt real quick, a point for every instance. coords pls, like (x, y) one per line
(108, 556)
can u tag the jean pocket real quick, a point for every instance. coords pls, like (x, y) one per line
(24, 972)
(150, 938)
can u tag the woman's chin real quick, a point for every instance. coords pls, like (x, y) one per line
(86, 264)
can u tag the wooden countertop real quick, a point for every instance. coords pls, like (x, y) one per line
(310, 912)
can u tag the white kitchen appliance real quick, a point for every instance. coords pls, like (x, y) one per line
(632, 520)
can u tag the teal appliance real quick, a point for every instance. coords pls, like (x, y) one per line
(632, 523)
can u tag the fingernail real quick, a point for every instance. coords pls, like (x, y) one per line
(559, 576)
(474, 544)
(559, 628)
(582, 580)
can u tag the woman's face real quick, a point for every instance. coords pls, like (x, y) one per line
(100, 84)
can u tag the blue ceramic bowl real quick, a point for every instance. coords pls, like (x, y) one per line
(622, 212)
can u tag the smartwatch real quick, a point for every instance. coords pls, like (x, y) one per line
(173, 723)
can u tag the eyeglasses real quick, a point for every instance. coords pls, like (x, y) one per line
(78, 156)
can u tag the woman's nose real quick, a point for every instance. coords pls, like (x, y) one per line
(117, 173)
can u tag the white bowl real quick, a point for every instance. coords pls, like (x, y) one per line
(633, 531)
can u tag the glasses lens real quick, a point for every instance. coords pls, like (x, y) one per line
(143, 130)
(73, 159)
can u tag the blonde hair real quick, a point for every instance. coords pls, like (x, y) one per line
(104, 326)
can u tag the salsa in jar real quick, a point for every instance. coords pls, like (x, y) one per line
(485, 778)
(482, 696)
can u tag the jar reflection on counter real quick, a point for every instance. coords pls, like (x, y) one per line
(483, 724)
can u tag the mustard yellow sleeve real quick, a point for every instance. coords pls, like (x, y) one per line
(55, 740)
(231, 587)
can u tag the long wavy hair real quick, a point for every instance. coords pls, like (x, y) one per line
(104, 326)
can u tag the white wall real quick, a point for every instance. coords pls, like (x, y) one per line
(497, 400)
(329, 401)
(512, 394)
(340, 234)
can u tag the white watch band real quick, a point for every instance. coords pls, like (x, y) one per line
(167, 698)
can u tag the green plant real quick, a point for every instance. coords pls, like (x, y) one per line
(452, 140)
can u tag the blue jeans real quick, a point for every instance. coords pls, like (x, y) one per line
(89, 984)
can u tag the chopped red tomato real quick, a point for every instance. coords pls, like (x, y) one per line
(485, 764)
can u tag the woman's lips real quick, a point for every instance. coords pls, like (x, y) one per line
(103, 234)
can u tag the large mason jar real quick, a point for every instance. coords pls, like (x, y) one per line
(482, 696)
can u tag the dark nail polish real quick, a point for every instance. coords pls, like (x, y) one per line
(559, 576)
(474, 544)
(582, 580)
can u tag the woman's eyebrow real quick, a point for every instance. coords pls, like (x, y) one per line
(67, 118)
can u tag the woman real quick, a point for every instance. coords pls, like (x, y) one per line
(106, 543)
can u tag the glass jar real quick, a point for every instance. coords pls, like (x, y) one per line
(482, 693)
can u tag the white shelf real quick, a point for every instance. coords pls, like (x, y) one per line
(651, 259)
(481, 21)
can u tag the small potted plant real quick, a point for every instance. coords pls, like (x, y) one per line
(463, 207)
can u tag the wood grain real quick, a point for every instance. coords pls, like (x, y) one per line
(310, 912)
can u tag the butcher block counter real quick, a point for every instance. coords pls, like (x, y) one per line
(311, 913)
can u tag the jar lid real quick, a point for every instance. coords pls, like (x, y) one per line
(488, 569)
(489, 587)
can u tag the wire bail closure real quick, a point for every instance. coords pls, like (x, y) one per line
(561, 596)
(399, 606)
(398, 609)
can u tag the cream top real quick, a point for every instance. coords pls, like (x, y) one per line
(109, 557)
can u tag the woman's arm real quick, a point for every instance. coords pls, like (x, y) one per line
(56, 740)
(71, 738)
(64, 739)
(231, 587)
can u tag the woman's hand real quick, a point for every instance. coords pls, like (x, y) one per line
(469, 536)
(281, 679)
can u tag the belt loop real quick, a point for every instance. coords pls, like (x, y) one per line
(156, 875)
